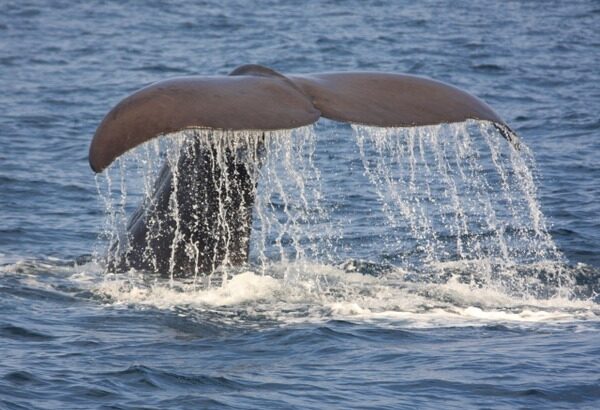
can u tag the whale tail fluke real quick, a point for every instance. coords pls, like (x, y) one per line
(212, 222)
(254, 97)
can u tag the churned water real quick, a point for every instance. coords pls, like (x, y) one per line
(434, 267)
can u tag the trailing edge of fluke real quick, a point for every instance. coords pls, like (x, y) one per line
(253, 97)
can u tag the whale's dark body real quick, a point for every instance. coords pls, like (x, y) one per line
(213, 222)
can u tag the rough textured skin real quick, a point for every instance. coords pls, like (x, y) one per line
(214, 224)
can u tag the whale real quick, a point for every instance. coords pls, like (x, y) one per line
(212, 225)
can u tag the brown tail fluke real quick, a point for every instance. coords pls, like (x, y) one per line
(254, 97)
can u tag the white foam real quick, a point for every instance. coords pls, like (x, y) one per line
(293, 293)
(241, 289)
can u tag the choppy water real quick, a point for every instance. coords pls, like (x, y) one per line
(389, 268)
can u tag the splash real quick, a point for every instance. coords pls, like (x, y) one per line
(454, 202)
(301, 292)
(460, 199)
(280, 179)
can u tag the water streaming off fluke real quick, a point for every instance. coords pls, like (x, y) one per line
(460, 195)
(454, 200)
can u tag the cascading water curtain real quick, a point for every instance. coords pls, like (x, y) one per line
(458, 200)
(289, 223)
(460, 193)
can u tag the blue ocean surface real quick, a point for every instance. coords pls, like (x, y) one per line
(437, 267)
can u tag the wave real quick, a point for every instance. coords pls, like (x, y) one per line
(303, 292)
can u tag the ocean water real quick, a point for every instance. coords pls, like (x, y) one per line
(437, 267)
